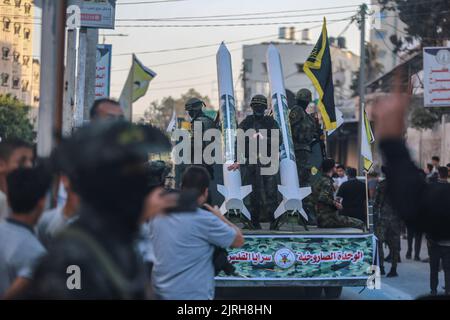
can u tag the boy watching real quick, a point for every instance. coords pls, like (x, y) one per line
(20, 250)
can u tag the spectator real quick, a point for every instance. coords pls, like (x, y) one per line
(353, 194)
(425, 207)
(341, 176)
(184, 242)
(20, 250)
(448, 170)
(54, 220)
(106, 109)
(105, 163)
(435, 161)
(14, 153)
(442, 175)
(431, 175)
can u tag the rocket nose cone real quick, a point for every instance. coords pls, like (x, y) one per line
(272, 50)
(223, 51)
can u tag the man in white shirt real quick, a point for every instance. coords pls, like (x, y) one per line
(20, 250)
(341, 176)
(54, 220)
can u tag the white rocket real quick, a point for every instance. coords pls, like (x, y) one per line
(289, 188)
(232, 190)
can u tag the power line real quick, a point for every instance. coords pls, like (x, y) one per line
(221, 25)
(210, 55)
(147, 2)
(201, 19)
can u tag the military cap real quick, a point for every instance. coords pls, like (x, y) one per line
(194, 104)
(258, 99)
(303, 95)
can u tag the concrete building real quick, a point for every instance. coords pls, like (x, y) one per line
(342, 145)
(293, 56)
(19, 72)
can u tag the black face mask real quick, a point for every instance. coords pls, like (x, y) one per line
(303, 104)
(258, 111)
(193, 113)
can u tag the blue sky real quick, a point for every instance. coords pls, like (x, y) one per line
(202, 72)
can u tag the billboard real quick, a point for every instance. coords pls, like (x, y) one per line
(103, 71)
(436, 76)
(97, 13)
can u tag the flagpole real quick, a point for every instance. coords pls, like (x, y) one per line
(367, 204)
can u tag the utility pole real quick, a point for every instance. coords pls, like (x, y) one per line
(70, 78)
(52, 74)
(361, 85)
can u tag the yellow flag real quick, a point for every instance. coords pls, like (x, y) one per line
(367, 138)
(136, 85)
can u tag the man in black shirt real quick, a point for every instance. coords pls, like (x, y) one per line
(353, 194)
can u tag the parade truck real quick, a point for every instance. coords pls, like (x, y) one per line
(293, 254)
(319, 260)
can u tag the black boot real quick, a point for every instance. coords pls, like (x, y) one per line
(392, 273)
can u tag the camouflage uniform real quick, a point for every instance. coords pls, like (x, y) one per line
(264, 197)
(327, 215)
(388, 226)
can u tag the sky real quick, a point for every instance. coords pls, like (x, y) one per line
(176, 78)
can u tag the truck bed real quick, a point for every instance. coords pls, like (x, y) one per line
(298, 229)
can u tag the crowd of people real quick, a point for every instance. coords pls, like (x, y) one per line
(108, 203)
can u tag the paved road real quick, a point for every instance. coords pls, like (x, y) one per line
(412, 282)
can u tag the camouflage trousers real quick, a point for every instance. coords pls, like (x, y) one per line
(334, 220)
(303, 166)
(264, 198)
(388, 232)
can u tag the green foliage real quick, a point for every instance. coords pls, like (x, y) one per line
(14, 119)
(426, 21)
(159, 113)
(422, 118)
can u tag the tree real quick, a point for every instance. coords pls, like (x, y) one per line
(15, 119)
(160, 113)
(426, 21)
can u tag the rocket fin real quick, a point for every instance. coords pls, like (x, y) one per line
(304, 192)
(246, 213)
(222, 190)
(223, 208)
(280, 210)
(245, 191)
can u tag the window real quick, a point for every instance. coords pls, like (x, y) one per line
(26, 33)
(16, 56)
(25, 84)
(5, 53)
(17, 3)
(6, 23)
(27, 7)
(17, 27)
(25, 60)
(4, 79)
(380, 34)
(16, 82)
(248, 65)
(264, 65)
(299, 67)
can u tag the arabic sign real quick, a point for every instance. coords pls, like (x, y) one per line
(303, 257)
(436, 77)
(97, 13)
(103, 71)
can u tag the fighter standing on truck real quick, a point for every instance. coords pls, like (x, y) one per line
(261, 184)
(194, 108)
